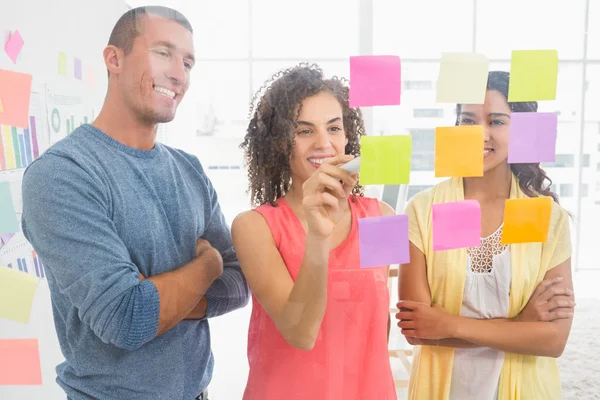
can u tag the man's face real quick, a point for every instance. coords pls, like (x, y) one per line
(155, 75)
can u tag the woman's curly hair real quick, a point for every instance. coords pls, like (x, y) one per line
(269, 140)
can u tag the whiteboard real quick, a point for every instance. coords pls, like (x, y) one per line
(79, 29)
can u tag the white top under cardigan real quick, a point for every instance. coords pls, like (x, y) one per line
(476, 371)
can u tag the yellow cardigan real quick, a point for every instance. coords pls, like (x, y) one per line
(523, 377)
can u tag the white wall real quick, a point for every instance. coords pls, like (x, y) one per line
(80, 29)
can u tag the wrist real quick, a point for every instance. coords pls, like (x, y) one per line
(453, 325)
(317, 248)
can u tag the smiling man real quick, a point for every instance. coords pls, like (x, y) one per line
(137, 251)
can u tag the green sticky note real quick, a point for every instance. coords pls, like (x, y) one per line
(533, 75)
(62, 64)
(8, 217)
(385, 160)
(17, 291)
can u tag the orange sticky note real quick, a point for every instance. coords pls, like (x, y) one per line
(15, 90)
(526, 220)
(20, 362)
(459, 151)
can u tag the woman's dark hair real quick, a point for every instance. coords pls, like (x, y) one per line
(532, 178)
(269, 140)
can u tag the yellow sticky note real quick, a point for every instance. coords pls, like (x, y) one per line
(526, 220)
(533, 75)
(459, 151)
(17, 290)
(385, 160)
(62, 64)
(462, 78)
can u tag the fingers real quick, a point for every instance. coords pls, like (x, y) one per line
(322, 199)
(545, 284)
(405, 315)
(406, 324)
(554, 291)
(558, 313)
(558, 302)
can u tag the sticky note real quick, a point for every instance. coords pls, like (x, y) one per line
(1, 106)
(462, 78)
(533, 75)
(15, 90)
(459, 151)
(17, 290)
(385, 160)
(532, 137)
(526, 220)
(20, 362)
(13, 46)
(8, 217)
(374, 81)
(383, 241)
(77, 68)
(456, 225)
(62, 64)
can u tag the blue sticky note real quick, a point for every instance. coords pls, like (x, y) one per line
(8, 217)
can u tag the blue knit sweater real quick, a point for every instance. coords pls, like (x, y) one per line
(98, 213)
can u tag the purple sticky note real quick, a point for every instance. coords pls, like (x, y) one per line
(456, 225)
(13, 46)
(374, 81)
(77, 68)
(383, 241)
(532, 137)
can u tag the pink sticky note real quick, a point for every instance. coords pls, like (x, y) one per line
(532, 137)
(374, 81)
(20, 362)
(456, 225)
(383, 241)
(13, 46)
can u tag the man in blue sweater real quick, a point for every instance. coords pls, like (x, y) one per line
(137, 251)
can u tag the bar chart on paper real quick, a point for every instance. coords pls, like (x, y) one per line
(18, 147)
(19, 255)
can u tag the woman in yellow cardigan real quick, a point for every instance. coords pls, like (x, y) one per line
(488, 321)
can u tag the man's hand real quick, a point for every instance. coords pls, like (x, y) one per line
(548, 303)
(210, 258)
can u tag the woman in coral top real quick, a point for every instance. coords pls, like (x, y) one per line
(319, 322)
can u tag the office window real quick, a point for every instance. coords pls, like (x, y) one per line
(584, 190)
(226, 26)
(428, 113)
(561, 161)
(422, 162)
(422, 29)
(414, 189)
(594, 30)
(560, 27)
(307, 29)
(566, 190)
(585, 160)
(417, 85)
(223, 97)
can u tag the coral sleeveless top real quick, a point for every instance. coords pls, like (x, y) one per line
(350, 358)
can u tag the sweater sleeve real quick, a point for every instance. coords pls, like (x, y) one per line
(66, 217)
(230, 291)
